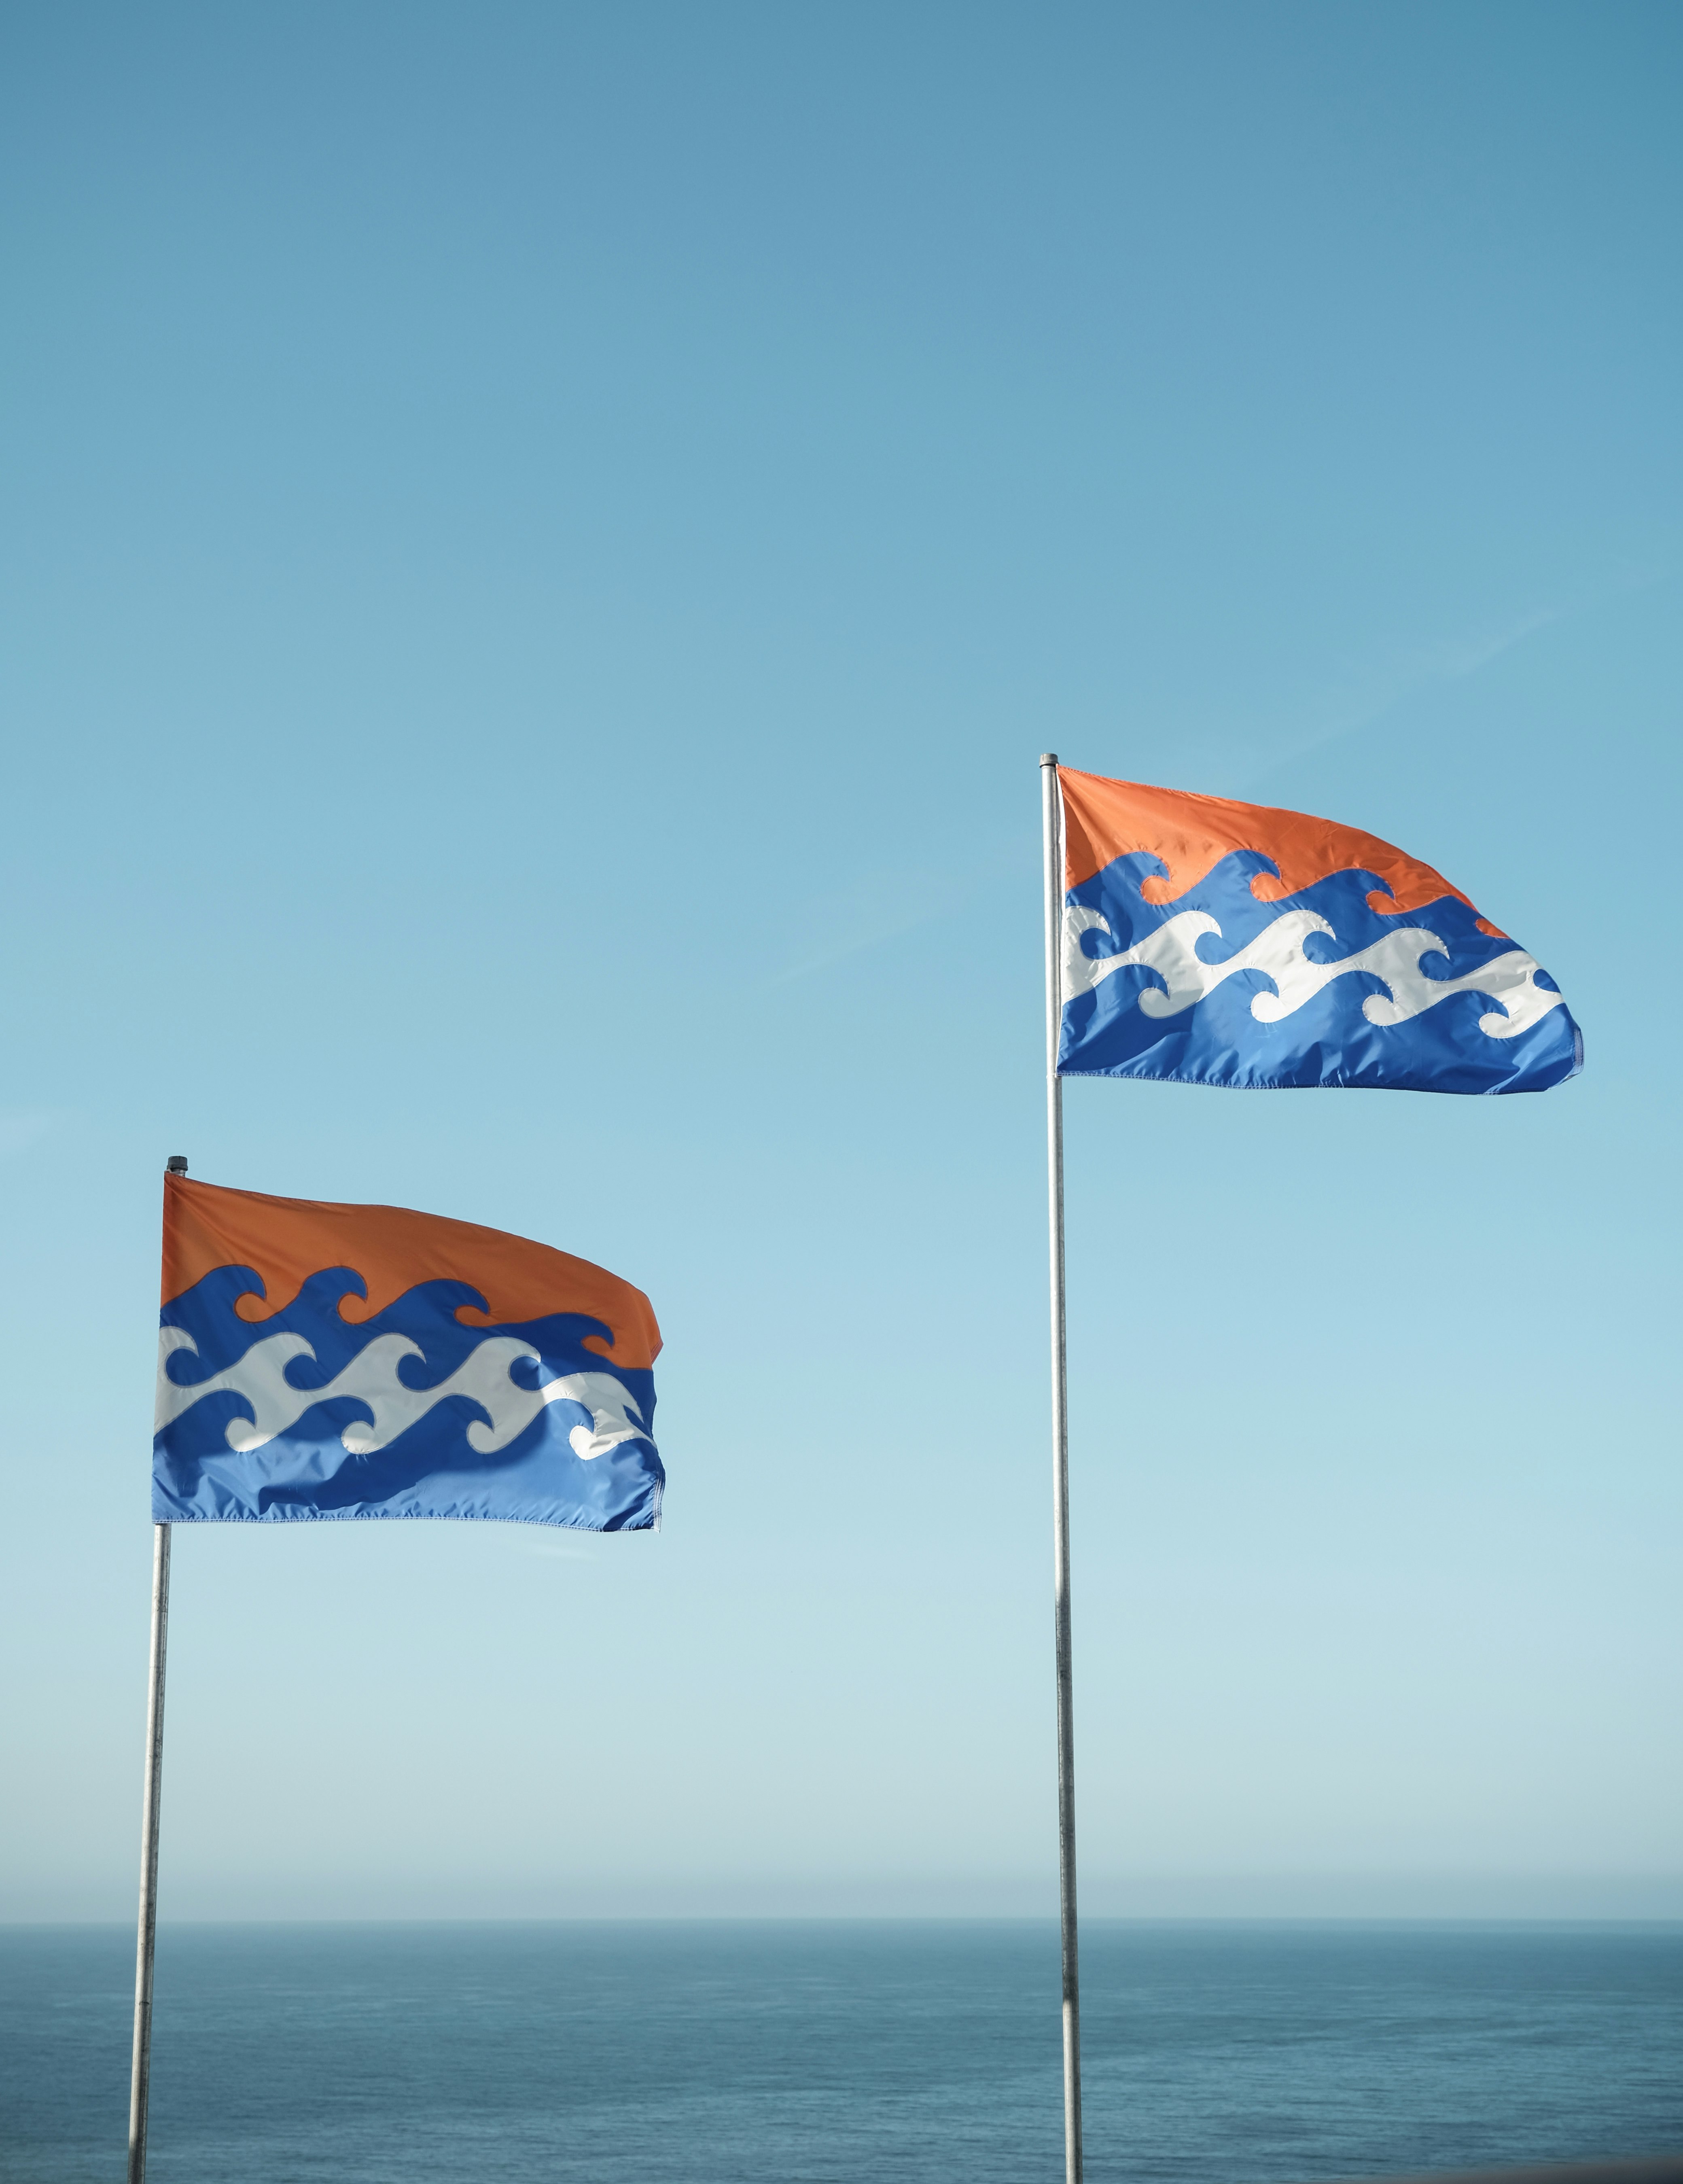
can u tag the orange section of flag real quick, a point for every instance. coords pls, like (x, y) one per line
(1104, 820)
(285, 1240)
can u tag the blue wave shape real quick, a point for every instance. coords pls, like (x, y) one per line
(431, 1469)
(1328, 1040)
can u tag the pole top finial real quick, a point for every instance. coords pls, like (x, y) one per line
(176, 1164)
(1049, 758)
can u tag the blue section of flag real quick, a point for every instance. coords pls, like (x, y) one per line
(408, 1413)
(1317, 988)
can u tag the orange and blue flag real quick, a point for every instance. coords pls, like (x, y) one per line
(1213, 943)
(322, 1361)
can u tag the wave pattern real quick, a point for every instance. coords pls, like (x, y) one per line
(408, 1413)
(1328, 991)
(1278, 952)
(260, 1380)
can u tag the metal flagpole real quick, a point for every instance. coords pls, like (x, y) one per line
(1051, 812)
(141, 2074)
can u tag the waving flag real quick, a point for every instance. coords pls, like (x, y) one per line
(1214, 943)
(319, 1361)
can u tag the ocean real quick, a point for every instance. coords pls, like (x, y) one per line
(729, 2053)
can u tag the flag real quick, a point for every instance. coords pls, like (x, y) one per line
(319, 1360)
(1214, 943)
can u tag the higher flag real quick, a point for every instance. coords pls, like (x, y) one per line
(1214, 943)
(321, 1361)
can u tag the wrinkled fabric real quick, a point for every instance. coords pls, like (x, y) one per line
(350, 1392)
(1207, 941)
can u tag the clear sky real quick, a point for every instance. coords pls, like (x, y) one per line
(541, 546)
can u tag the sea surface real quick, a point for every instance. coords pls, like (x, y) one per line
(685, 2053)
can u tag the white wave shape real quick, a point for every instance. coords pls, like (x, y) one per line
(1277, 951)
(259, 1379)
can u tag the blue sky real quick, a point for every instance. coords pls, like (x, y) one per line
(541, 546)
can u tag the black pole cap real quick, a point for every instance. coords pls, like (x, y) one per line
(176, 1164)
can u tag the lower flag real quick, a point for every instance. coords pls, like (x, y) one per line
(319, 1361)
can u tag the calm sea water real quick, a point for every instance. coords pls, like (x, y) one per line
(687, 2054)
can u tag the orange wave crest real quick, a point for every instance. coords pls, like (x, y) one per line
(286, 1240)
(1104, 820)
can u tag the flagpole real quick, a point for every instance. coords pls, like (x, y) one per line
(140, 2077)
(1050, 807)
